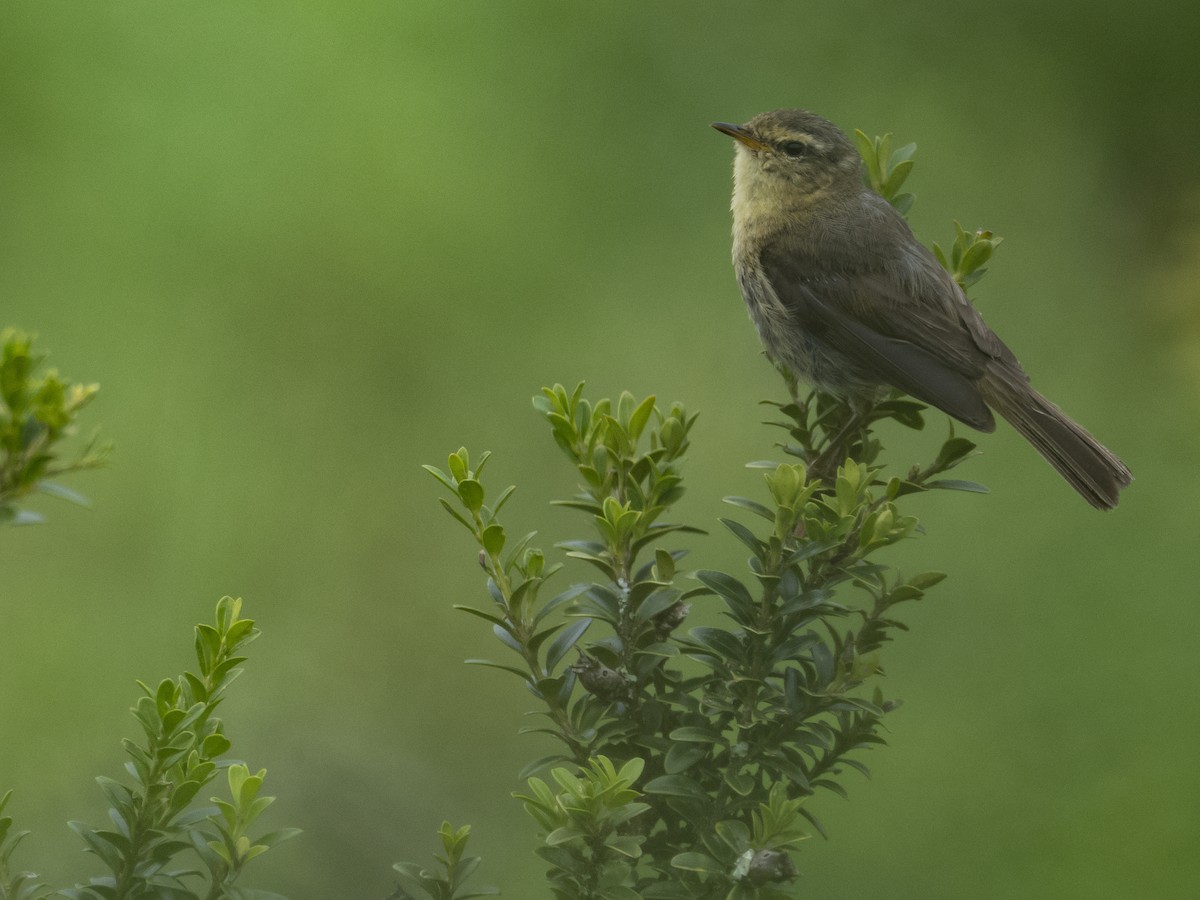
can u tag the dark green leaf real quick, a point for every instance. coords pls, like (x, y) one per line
(808, 549)
(676, 786)
(495, 620)
(564, 641)
(745, 535)
(100, 847)
(954, 451)
(533, 767)
(565, 597)
(735, 834)
(520, 673)
(721, 641)
(726, 586)
(697, 862)
(655, 604)
(831, 785)
(664, 564)
(741, 783)
(695, 734)
(757, 508)
(954, 484)
(506, 638)
(681, 757)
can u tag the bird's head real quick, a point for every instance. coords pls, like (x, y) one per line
(791, 157)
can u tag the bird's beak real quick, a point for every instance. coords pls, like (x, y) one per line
(740, 134)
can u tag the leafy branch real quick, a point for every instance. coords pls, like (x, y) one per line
(37, 412)
(697, 751)
(154, 817)
(456, 868)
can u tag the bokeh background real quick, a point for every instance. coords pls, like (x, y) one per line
(305, 248)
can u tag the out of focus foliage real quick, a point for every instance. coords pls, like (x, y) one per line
(160, 830)
(37, 412)
(302, 246)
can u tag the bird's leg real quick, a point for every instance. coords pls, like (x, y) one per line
(826, 463)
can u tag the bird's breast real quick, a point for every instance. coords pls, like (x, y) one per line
(804, 352)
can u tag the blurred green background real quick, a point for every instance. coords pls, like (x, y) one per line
(305, 248)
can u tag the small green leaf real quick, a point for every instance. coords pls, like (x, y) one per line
(698, 862)
(470, 492)
(681, 757)
(533, 767)
(896, 178)
(275, 838)
(978, 253)
(495, 620)
(520, 673)
(741, 783)
(954, 484)
(883, 149)
(866, 148)
(726, 586)
(493, 539)
(926, 579)
(626, 845)
(941, 256)
(953, 451)
(724, 643)
(745, 535)
(696, 734)
(676, 786)
(440, 476)
(502, 499)
(457, 463)
(640, 416)
(63, 493)
(664, 565)
(446, 505)
(900, 154)
(564, 641)
(214, 745)
(735, 834)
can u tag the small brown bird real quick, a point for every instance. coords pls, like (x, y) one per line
(844, 295)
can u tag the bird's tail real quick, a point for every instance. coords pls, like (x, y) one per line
(1088, 466)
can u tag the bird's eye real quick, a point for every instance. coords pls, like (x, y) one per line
(794, 149)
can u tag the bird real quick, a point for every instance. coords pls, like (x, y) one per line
(845, 297)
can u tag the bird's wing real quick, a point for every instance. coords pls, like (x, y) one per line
(903, 330)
